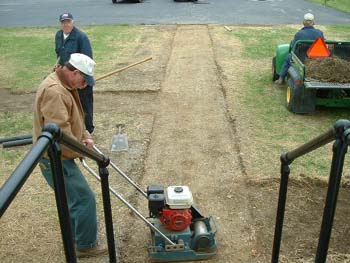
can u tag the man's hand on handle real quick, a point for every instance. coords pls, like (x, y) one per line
(88, 143)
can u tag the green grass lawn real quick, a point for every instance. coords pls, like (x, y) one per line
(28, 54)
(342, 5)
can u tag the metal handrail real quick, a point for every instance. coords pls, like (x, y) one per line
(341, 134)
(14, 183)
(48, 141)
(310, 146)
(15, 138)
(51, 133)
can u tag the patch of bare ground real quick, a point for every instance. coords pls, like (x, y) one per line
(153, 41)
(15, 102)
(193, 144)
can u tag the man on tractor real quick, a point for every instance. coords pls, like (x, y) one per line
(308, 32)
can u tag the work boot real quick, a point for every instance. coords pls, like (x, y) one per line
(279, 81)
(92, 252)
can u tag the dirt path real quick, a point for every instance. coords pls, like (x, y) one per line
(193, 144)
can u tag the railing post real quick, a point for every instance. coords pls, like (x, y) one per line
(339, 151)
(103, 172)
(282, 197)
(61, 202)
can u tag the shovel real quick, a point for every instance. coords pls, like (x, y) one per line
(120, 140)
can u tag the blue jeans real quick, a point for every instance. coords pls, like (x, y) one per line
(285, 66)
(81, 202)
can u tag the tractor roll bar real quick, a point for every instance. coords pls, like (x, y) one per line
(341, 134)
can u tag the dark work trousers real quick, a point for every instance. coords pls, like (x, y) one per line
(81, 202)
(87, 101)
(285, 66)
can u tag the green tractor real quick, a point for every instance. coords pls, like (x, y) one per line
(303, 94)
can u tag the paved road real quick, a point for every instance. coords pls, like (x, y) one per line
(89, 12)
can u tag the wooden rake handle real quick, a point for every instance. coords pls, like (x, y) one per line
(121, 69)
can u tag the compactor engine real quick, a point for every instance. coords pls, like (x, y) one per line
(172, 211)
(173, 208)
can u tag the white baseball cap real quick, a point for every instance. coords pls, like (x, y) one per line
(309, 17)
(85, 65)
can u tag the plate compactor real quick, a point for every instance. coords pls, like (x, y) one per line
(173, 213)
(179, 232)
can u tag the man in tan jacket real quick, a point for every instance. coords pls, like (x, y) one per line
(57, 101)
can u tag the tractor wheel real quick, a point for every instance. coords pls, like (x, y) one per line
(275, 76)
(299, 100)
(293, 96)
(289, 98)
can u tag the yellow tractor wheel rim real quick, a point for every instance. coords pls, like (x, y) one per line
(288, 95)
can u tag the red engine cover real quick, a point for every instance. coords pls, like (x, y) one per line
(176, 219)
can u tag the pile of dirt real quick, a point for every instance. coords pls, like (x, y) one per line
(330, 69)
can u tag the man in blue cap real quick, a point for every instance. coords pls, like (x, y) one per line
(71, 40)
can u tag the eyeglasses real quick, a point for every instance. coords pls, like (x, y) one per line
(83, 78)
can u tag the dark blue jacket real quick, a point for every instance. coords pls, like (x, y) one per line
(307, 33)
(76, 42)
